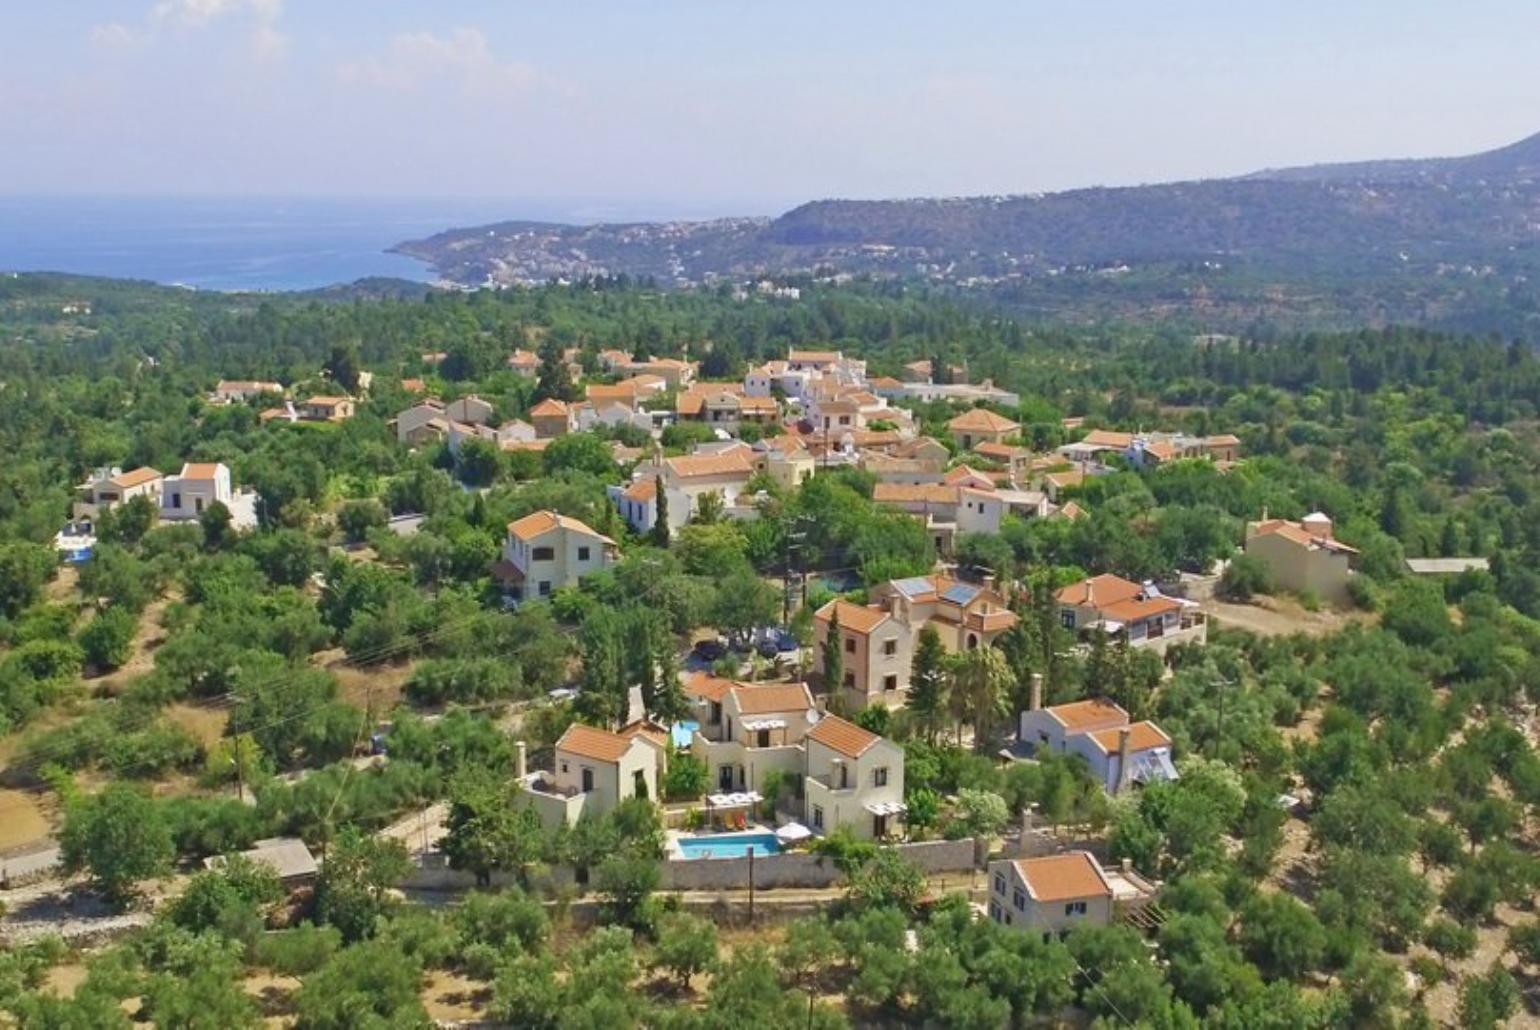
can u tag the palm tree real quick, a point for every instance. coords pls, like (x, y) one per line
(980, 688)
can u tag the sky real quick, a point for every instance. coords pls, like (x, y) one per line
(678, 107)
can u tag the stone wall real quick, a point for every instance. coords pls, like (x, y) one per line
(789, 869)
(799, 869)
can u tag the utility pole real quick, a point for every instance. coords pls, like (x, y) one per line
(751, 884)
(1224, 686)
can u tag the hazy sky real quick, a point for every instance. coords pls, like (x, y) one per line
(718, 106)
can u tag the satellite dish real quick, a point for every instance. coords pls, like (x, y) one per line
(812, 716)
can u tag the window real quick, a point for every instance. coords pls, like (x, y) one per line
(850, 679)
(545, 554)
(817, 817)
(1000, 884)
(545, 588)
(994, 911)
(1067, 618)
(762, 739)
(844, 776)
(1075, 908)
(1019, 899)
(890, 683)
(564, 767)
(890, 647)
(588, 780)
(582, 554)
(880, 777)
(850, 645)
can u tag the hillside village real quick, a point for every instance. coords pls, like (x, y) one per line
(595, 635)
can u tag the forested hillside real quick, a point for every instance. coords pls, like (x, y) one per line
(1351, 841)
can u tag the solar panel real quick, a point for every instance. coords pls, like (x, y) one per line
(960, 593)
(915, 585)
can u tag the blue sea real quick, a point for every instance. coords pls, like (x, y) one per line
(238, 243)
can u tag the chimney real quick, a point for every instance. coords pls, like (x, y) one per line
(636, 709)
(1125, 738)
(521, 763)
(1035, 698)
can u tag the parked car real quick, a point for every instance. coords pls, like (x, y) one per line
(774, 641)
(710, 650)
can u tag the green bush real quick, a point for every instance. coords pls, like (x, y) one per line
(297, 952)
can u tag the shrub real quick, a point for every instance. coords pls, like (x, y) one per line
(297, 952)
(1245, 576)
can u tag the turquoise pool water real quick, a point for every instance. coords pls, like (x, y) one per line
(729, 845)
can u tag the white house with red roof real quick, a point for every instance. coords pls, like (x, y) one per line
(1051, 894)
(1120, 753)
(109, 487)
(545, 551)
(593, 771)
(1114, 605)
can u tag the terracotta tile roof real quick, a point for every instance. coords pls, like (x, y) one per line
(991, 622)
(884, 383)
(1135, 609)
(523, 358)
(1099, 591)
(825, 356)
(1072, 511)
(652, 731)
(703, 684)
(592, 742)
(1141, 737)
(913, 493)
(200, 470)
(1163, 450)
(1072, 477)
(730, 463)
(626, 392)
(1001, 451)
(857, 618)
(963, 473)
(982, 420)
(525, 445)
(642, 491)
(922, 366)
(414, 385)
(767, 698)
(136, 477)
(328, 402)
(1074, 874)
(1108, 438)
(843, 736)
(1223, 440)
(539, 522)
(1081, 716)
(547, 408)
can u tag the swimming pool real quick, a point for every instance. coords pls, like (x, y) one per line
(728, 845)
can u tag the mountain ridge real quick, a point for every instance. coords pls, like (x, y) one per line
(1403, 239)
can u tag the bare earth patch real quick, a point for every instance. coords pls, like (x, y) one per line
(23, 818)
(1280, 616)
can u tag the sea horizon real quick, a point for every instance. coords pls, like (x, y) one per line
(256, 243)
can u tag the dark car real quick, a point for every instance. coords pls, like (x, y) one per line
(774, 642)
(709, 650)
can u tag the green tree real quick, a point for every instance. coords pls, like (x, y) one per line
(120, 837)
(217, 525)
(928, 683)
(356, 878)
(24, 568)
(832, 652)
(687, 946)
(553, 380)
(1281, 935)
(660, 527)
(887, 879)
(343, 366)
(1244, 577)
(371, 984)
(107, 639)
(1487, 1001)
(979, 684)
(489, 828)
